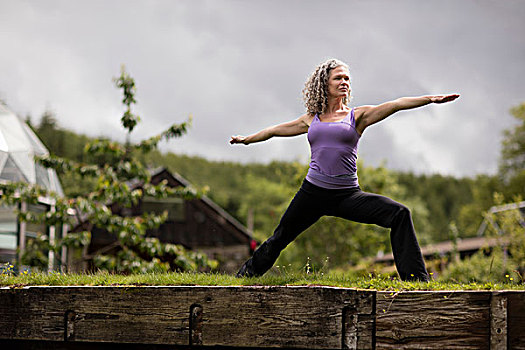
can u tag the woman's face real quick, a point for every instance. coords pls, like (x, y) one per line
(339, 82)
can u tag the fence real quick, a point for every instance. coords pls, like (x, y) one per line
(304, 317)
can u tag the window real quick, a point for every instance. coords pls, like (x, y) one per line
(174, 206)
(8, 228)
(33, 229)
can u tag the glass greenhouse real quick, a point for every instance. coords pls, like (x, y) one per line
(18, 146)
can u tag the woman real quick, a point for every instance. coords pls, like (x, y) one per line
(331, 186)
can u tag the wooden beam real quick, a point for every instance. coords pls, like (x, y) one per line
(303, 317)
(433, 320)
(295, 317)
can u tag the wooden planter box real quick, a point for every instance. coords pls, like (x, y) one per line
(263, 317)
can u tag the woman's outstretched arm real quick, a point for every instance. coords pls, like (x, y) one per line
(369, 115)
(292, 128)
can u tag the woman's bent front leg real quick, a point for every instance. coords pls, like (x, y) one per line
(302, 212)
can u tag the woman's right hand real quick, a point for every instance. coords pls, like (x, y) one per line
(293, 128)
(238, 139)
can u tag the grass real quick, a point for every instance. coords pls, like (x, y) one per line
(376, 282)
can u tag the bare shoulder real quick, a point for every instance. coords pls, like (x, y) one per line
(361, 111)
(306, 119)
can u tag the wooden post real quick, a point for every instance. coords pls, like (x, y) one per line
(498, 321)
(249, 221)
(21, 235)
(64, 253)
(51, 253)
(359, 327)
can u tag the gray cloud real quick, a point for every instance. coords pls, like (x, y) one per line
(240, 66)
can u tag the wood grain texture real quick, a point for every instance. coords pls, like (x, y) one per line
(300, 317)
(433, 320)
(516, 320)
(498, 321)
(313, 317)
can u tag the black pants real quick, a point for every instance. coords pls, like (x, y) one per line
(311, 202)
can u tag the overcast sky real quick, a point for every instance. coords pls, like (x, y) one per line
(239, 66)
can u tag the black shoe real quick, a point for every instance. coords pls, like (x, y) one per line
(418, 278)
(246, 270)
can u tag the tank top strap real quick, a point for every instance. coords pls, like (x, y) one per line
(352, 117)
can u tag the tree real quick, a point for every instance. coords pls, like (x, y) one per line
(513, 146)
(501, 262)
(115, 165)
(512, 162)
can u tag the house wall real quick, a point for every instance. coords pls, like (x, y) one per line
(202, 226)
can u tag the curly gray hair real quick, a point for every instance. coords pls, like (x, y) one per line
(315, 92)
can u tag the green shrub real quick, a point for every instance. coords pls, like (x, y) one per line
(481, 268)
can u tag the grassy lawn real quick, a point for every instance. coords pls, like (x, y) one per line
(376, 282)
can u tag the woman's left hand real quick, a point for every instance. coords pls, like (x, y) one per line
(443, 98)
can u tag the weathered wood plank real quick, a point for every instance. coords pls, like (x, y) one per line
(264, 317)
(225, 316)
(516, 320)
(75, 345)
(95, 314)
(433, 320)
(282, 317)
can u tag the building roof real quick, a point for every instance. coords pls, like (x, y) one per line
(241, 229)
(18, 147)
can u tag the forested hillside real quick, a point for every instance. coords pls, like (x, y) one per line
(263, 191)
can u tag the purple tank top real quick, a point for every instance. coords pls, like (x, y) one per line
(333, 146)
